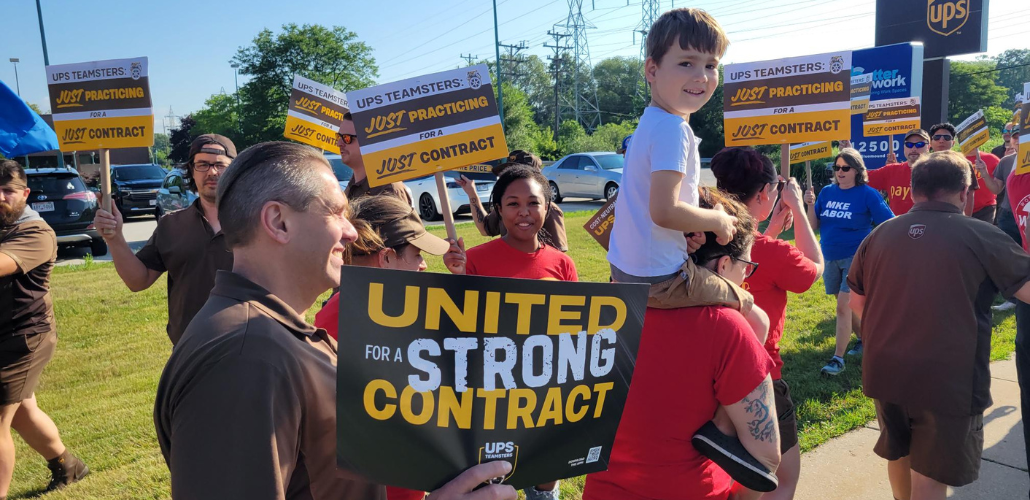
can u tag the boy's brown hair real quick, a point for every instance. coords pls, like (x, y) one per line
(694, 28)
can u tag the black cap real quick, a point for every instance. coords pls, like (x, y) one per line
(198, 145)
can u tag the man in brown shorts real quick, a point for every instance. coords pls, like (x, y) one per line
(28, 249)
(923, 284)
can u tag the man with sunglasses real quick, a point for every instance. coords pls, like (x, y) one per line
(350, 154)
(188, 244)
(984, 202)
(896, 179)
(1000, 150)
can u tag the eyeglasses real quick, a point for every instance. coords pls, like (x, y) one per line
(843, 169)
(940, 137)
(204, 166)
(749, 269)
(920, 144)
(1006, 131)
(347, 138)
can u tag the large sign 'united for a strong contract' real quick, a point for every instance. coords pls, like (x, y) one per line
(786, 101)
(101, 104)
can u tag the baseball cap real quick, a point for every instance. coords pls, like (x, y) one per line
(519, 157)
(625, 144)
(409, 229)
(920, 132)
(197, 146)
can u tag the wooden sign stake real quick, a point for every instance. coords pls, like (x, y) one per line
(785, 160)
(105, 183)
(445, 206)
(808, 173)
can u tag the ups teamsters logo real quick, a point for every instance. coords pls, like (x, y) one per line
(500, 450)
(945, 17)
(136, 69)
(916, 231)
(475, 80)
(836, 64)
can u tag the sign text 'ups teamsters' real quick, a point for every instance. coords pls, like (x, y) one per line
(972, 133)
(785, 101)
(420, 126)
(439, 372)
(314, 114)
(891, 117)
(101, 104)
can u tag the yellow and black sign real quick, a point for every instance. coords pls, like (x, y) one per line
(102, 104)
(314, 114)
(600, 225)
(439, 372)
(420, 126)
(786, 101)
(810, 151)
(1023, 160)
(972, 133)
(891, 117)
(478, 168)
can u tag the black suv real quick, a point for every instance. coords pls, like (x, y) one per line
(61, 198)
(134, 187)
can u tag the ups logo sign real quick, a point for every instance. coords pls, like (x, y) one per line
(945, 17)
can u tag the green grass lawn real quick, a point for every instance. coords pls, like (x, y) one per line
(100, 386)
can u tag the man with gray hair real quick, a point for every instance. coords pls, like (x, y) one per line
(927, 369)
(246, 407)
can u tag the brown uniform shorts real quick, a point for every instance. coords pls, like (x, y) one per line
(786, 413)
(22, 358)
(694, 286)
(945, 448)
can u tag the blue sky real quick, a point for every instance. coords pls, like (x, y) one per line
(190, 42)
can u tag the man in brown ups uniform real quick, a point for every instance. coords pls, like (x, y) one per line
(28, 249)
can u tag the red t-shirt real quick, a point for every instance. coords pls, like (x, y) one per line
(896, 180)
(691, 361)
(1017, 190)
(983, 197)
(782, 268)
(498, 259)
(329, 319)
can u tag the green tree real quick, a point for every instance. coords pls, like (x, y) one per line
(331, 56)
(520, 130)
(180, 140)
(218, 116)
(972, 87)
(35, 108)
(707, 123)
(619, 89)
(162, 146)
(1013, 70)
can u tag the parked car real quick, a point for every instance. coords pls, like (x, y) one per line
(173, 195)
(64, 202)
(344, 173)
(595, 175)
(134, 187)
(426, 196)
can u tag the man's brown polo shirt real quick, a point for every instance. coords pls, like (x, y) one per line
(246, 407)
(185, 246)
(357, 190)
(25, 305)
(554, 226)
(929, 277)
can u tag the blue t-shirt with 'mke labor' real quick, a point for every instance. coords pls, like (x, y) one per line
(846, 217)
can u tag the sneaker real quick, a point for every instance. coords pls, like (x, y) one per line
(534, 494)
(728, 453)
(1005, 306)
(857, 350)
(834, 367)
(66, 471)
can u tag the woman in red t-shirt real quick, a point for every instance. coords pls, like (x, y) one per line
(693, 362)
(751, 178)
(521, 196)
(390, 236)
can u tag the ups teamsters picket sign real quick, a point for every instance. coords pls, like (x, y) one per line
(101, 104)
(788, 101)
(437, 373)
(314, 114)
(420, 126)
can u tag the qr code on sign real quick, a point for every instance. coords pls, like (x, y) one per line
(594, 455)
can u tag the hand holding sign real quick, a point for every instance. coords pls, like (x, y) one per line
(455, 258)
(467, 185)
(810, 197)
(981, 166)
(464, 486)
(892, 158)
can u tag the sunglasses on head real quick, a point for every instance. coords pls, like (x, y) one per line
(840, 168)
(347, 138)
(941, 137)
(919, 144)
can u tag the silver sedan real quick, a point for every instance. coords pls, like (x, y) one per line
(595, 175)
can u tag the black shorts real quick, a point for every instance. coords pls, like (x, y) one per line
(22, 359)
(787, 415)
(945, 448)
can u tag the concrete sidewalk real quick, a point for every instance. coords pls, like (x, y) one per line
(846, 467)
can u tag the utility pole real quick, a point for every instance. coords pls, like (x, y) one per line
(236, 76)
(497, 50)
(514, 59)
(469, 58)
(17, 82)
(559, 48)
(46, 61)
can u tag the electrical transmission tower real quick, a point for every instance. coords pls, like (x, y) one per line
(559, 47)
(584, 87)
(650, 10)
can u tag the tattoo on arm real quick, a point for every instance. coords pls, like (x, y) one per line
(762, 424)
(480, 214)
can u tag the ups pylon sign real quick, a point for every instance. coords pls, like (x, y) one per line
(945, 27)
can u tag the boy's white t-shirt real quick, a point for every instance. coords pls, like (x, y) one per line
(662, 141)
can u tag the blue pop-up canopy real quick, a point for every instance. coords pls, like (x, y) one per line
(22, 131)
